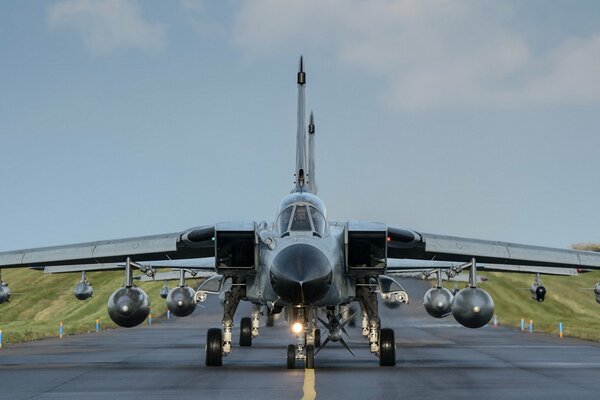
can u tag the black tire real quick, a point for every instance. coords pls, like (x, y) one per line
(270, 320)
(291, 356)
(387, 348)
(214, 348)
(317, 338)
(246, 332)
(310, 357)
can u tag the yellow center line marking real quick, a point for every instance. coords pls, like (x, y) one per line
(309, 385)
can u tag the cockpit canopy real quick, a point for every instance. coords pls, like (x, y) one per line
(302, 212)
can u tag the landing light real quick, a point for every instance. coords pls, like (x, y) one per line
(297, 327)
(476, 309)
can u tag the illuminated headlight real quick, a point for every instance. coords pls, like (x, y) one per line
(297, 327)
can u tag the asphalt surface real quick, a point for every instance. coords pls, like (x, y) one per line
(436, 358)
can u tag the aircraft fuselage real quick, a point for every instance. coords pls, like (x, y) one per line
(302, 268)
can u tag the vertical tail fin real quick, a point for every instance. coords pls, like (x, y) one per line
(301, 133)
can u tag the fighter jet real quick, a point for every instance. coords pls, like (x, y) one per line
(303, 265)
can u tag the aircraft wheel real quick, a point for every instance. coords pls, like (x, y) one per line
(317, 338)
(246, 332)
(214, 348)
(387, 348)
(310, 357)
(291, 356)
(270, 320)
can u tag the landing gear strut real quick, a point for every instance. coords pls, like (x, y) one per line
(381, 341)
(218, 343)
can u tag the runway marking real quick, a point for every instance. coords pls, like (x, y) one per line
(309, 392)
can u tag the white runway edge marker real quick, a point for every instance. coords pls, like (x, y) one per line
(309, 385)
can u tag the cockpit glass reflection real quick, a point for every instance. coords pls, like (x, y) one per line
(318, 220)
(284, 219)
(301, 221)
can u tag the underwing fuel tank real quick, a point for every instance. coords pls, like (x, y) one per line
(438, 302)
(128, 306)
(4, 292)
(164, 292)
(538, 292)
(473, 307)
(83, 291)
(180, 301)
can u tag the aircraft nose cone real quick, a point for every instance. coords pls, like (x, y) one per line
(301, 274)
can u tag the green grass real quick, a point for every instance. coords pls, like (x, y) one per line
(576, 309)
(39, 302)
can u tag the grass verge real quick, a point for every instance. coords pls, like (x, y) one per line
(39, 302)
(567, 301)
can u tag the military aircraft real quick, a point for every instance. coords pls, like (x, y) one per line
(304, 265)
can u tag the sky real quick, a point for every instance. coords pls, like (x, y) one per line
(124, 118)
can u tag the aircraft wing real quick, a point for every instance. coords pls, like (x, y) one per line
(193, 243)
(199, 264)
(404, 243)
(402, 267)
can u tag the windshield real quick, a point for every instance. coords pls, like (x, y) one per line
(301, 218)
(301, 221)
(284, 219)
(318, 220)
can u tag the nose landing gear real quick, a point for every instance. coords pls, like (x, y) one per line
(306, 353)
(303, 324)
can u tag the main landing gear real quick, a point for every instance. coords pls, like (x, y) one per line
(218, 342)
(381, 340)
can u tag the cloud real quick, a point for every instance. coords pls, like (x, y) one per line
(429, 54)
(198, 15)
(107, 25)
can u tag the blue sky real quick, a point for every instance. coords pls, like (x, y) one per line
(123, 118)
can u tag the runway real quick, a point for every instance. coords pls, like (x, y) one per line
(436, 358)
